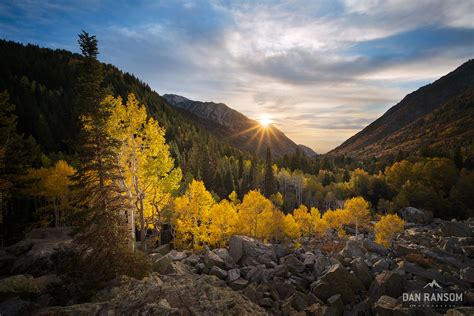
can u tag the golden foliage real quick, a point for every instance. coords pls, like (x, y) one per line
(387, 227)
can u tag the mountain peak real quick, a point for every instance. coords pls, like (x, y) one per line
(239, 130)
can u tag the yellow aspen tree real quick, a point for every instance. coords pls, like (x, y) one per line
(147, 169)
(358, 211)
(303, 219)
(249, 211)
(52, 186)
(387, 227)
(292, 229)
(223, 218)
(191, 218)
(336, 219)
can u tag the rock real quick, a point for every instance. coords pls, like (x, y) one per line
(294, 265)
(224, 255)
(192, 260)
(456, 229)
(335, 301)
(256, 274)
(362, 271)
(24, 285)
(467, 274)
(371, 246)
(319, 309)
(247, 251)
(283, 288)
(468, 251)
(163, 249)
(337, 281)
(212, 259)
(281, 270)
(218, 272)
(389, 283)
(385, 306)
(232, 275)
(164, 265)
(239, 284)
(427, 274)
(51, 233)
(381, 265)
(460, 311)
(177, 255)
(352, 250)
(16, 306)
(266, 302)
(20, 247)
(414, 215)
(321, 264)
(299, 301)
(6, 263)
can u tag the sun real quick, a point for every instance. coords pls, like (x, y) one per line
(265, 121)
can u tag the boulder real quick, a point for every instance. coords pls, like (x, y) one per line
(51, 233)
(163, 249)
(319, 309)
(335, 301)
(389, 283)
(467, 274)
(361, 270)
(352, 249)
(16, 306)
(337, 280)
(212, 259)
(164, 265)
(293, 263)
(218, 272)
(414, 215)
(385, 306)
(232, 275)
(321, 264)
(224, 255)
(20, 247)
(177, 255)
(24, 285)
(427, 274)
(248, 251)
(381, 265)
(456, 229)
(299, 301)
(239, 284)
(373, 247)
(192, 260)
(282, 287)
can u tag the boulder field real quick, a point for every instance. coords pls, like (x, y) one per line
(324, 276)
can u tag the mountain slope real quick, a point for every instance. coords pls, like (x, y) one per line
(41, 83)
(391, 131)
(236, 128)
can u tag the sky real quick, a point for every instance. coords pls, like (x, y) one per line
(320, 70)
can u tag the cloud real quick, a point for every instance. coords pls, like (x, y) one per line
(322, 70)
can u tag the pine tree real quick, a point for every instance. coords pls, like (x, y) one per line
(103, 241)
(269, 185)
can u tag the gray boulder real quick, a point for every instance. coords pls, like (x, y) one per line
(177, 255)
(232, 275)
(414, 215)
(239, 284)
(248, 251)
(164, 265)
(337, 281)
(293, 263)
(212, 259)
(456, 229)
(352, 249)
(467, 274)
(224, 255)
(388, 283)
(163, 249)
(218, 272)
(361, 270)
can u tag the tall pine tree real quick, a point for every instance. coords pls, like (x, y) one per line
(104, 242)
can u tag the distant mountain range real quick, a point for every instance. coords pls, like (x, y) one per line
(439, 115)
(236, 128)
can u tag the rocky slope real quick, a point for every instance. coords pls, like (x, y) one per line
(326, 276)
(415, 122)
(239, 130)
